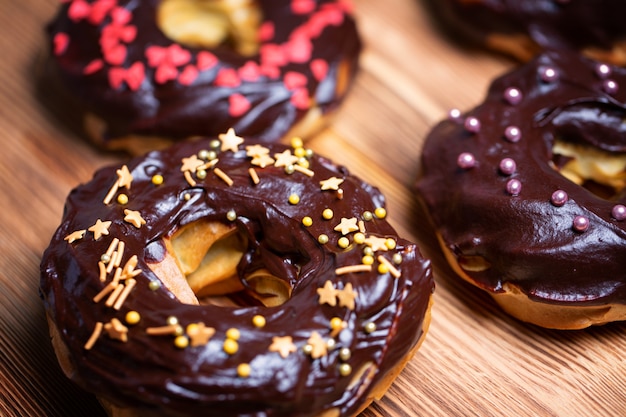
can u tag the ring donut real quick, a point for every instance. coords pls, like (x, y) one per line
(527, 191)
(593, 27)
(155, 71)
(222, 278)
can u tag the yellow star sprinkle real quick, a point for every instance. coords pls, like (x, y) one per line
(376, 243)
(199, 333)
(347, 225)
(318, 345)
(257, 150)
(332, 183)
(191, 164)
(124, 177)
(262, 160)
(74, 236)
(285, 159)
(134, 217)
(283, 345)
(230, 141)
(347, 296)
(327, 294)
(116, 330)
(100, 228)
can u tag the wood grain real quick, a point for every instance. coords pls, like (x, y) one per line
(475, 361)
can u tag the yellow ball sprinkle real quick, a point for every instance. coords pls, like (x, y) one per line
(132, 317)
(231, 346)
(345, 354)
(390, 243)
(303, 162)
(181, 342)
(233, 333)
(343, 242)
(122, 199)
(336, 323)
(231, 215)
(244, 370)
(383, 269)
(367, 251)
(154, 285)
(345, 369)
(359, 238)
(258, 321)
(327, 214)
(397, 258)
(299, 152)
(157, 179)
(323, 239)
(367, 260)
(203, 154)
(201, 174)
(294, 199)
(297, 142)
(380, 212)
(187, 196)
(307, 221)
(192, 328)
(370, 327)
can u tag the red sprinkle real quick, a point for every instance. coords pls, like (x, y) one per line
(250, 71)
(227, 77)
(61, 41)
(115, 55)
(206, 60)
(294, 80)
(238, 105)
(94, 66)
(78, 10)
(188, 75)
(319, 67)
(266, 31)
(302, 6)
(300, 99)
(164, 73)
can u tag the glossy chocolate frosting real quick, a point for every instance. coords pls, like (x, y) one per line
(552, 24)
(154, 376)
(100, 54)
(529, 240)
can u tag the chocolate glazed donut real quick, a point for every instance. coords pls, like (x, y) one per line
(525, 28)
(226, 279)
(152, 71)
(526, 191)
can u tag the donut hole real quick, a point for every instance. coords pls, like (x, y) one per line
(601, 172)
(201, 267)
(211, 23)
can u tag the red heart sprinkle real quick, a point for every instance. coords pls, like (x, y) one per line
(227, 77)
(299, 50)
(294, 80)
(206, 60)
(188, 75)
(238, 105)
(165, 73)
(115, 55)
(319, 68)
(121, 16)
(250, 71)
(266, 31)
(135, 76)
(178, 55)
(99, 11)
(273, 55)
(78, 10)
(302, 6)
(300, 99)
(61, 41)
(155, 55)
(117, 75)
(94, 66)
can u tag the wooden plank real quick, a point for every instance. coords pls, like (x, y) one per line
(475, 360)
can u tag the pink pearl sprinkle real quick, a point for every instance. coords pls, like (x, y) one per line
(548, 75)
(454, 114)
(610, 86)
(581, 223)
(619, 212)
(513, 96)
(472, 125)
(466, 160)
(507, 166)
(603, 71)
(514, 187)
(513, 134)
(559, 198)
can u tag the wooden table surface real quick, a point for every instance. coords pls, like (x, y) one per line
(475, 361)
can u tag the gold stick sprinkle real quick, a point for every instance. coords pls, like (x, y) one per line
(120, 253)
(117, 276)
(107, 289)
(129, 268)
(254, 175)
(163, 330)
(111, 193)
(190, 180)
(361, 226)
(353, 268)
(103, 271)
(223, 176)
(303, 170)
(116, 293)
(208, 165)
(112, 247)
(94, 336)
(392, 269)
(130, 284)
(111, 263)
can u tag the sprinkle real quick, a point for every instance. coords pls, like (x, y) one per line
(559, 198)
(328, 294)
(367, 216)
(122, 199)
(129, 267)
(392, 269)
(191, 164)
(307, 221)
(134, 217)
(285, 159)
(100, 228)
(74, 236)
(327, 214)
(181, 342)
(154, 285)
(103, 271)
(619, 212)
(163, 330)
(548, 75)
(105, 259)
(222, 175)
(513, 134)
(233, 333)
(283, 345)
(187, 196)
(262, 161)
(253, 174)
(367, 260)
(201, 174)
(199, 333)
(466, 160)
(230, 346)
(112, 247)
(347, 296)
(345, 354)
(352, 269)
(294, 199)
(244, 370)
(382, 269)
(258, 321)
(580, 223)
(116, 330)
(157, 179)
(117, 276)
(111, 193)
(94, 336)
(454, 114)
(603, 71)
(303, 170)
(130, 284)
(296, 142)
(507, 166)
(345, 369)
(316, 346)
(111, 263)
(610, 86)
(359, 238)
(231, 215)
(299, 152)
(331, 183)
(132, 317)
(172, 320)
(514, 187)
(377, 243)
(189, 179)
(289, 169)
(230, 141)
(380, 212)
(106, 290)
(302, 163)
(124, 176)
(513, 95)
(347, 226)
(323, 239)
(336, 326)
(472, 125)
(339, 194)
(390, 243)
(114, 295)
(396, 258)
(368, 251)
(369, 327)
(120, 253)
(256, 150)
(343, 242)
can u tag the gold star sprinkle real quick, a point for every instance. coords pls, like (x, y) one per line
(74, 236)
(262, 160)
(230, 141)
(191, 164)
(134, 217)
(116, 330)
(332, 183)
(199, 333)
(347, 296)
(347, 225)
(257, 150)
(285, 159)
(283, 345)
(376, 243)
(124, 177)
(318, 345)
(100, 228)
(328, 294)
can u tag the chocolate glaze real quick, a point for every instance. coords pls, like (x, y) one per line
(151, 374)
(175, 109)
(552, 24)
(529, 241)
